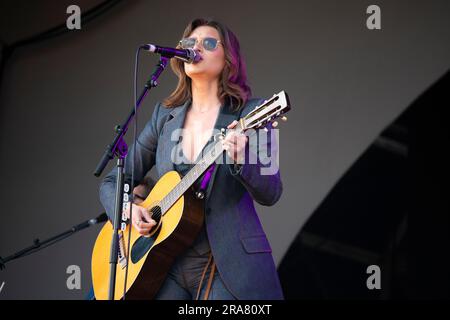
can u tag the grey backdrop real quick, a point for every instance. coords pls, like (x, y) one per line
(60, 100)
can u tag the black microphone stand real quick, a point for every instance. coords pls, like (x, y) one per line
(39, 245)
(118, 148)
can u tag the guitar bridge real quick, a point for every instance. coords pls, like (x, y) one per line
(122, 254)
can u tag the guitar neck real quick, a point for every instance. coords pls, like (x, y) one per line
(188, 180)
(265, 113)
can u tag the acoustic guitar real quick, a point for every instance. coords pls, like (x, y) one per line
(179, 216)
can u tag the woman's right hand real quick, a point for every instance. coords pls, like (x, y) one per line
(141, 219)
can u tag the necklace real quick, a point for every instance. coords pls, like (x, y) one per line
(206, 110)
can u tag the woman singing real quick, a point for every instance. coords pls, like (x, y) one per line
(231, 257)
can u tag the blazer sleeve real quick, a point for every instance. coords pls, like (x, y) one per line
(146, 146)
(260, 174)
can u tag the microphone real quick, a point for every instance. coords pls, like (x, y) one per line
(101, 218)
(186, 55)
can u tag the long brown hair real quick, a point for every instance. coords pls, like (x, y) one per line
(233, 80)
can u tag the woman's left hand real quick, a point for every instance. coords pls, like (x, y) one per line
(234, 143)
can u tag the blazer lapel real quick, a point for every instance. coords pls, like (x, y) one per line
(226, 116)
(171, 135)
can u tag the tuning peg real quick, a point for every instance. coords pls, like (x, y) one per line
(284, 118)
(274, 124)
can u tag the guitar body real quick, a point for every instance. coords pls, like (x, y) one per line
(151, 257)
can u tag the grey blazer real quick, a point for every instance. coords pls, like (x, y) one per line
(238, 242)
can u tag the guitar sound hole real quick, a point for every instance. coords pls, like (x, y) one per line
(156, 213)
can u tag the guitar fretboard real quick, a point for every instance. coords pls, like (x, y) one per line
(188, 180)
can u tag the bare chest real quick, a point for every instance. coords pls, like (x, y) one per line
(197, 131)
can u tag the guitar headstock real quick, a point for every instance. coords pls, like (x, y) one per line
(267, 112)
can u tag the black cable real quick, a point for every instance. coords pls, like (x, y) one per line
(5, 54)
(8, 49)
(136, 66)
(62, 28)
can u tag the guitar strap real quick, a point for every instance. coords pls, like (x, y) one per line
(211, 276)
